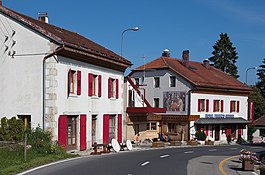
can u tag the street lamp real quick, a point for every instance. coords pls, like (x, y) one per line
(247, 73)
(133, 29)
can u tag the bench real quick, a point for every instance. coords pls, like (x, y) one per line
(106, 148)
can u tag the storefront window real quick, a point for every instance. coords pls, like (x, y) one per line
(151, 126)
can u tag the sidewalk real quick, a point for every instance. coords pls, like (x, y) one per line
(234, 167)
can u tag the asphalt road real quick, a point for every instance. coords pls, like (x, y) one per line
(154, 161)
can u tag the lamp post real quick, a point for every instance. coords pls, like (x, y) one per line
(132, 29)
(247, 73)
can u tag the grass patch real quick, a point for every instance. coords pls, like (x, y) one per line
(12, 159)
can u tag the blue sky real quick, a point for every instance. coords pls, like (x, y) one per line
(193, 25)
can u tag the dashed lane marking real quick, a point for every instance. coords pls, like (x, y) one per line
(188, 152)
(145, 163)
(212, 150)
(166, 155)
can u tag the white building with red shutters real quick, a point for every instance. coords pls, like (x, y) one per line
(60, 80)
(179, 97)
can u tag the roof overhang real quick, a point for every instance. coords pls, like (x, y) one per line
(238, 120)
(93, 59)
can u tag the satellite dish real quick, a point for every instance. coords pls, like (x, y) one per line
(115, 145)
(129, 145)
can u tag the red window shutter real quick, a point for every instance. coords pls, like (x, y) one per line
(109, 87)
(99, 86)
(78, 83)
(231, 103)
(106, 128)
(82, 132)
(90, 84)
(214, 105)
(119, 128)
(62, 133)
(199, 105)
(207, 105)
(222, 105)
(237, 106)
(117, 88)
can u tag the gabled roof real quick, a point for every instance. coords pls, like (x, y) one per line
(196, 73)
(65, 37)
(260, 121)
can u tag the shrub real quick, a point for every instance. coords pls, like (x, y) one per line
(11, 129)
(40, 141)
(200, 135)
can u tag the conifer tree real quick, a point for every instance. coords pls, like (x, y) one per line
(261, 78)
(225, 56)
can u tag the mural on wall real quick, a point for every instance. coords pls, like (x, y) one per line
(174, 101)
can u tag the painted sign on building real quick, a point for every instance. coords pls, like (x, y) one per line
(174, 101)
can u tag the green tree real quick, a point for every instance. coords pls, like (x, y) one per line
(259, 102)
(225, 56)
(261, 78)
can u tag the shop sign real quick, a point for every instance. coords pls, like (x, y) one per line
(219, 115)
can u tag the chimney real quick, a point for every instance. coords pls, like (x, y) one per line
(43, 16)
(166, 53)
(206, 63)
(185, 57)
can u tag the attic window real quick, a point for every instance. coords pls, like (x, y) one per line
(192, 68)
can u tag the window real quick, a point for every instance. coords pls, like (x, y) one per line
(172, 81)
(151, 126)
(156, 102)
(203, 105)
(156, 82)
(172, 127)
(218, 105)
(113, 88)
(94, 85)
(137, 81)
(26, 120)
(74, 82)
(234, 106)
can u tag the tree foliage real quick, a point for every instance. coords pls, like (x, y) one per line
(259, 102)
(261, 78)
(225, 56)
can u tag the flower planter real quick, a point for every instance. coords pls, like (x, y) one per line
(175, 143)
(247, 166)
(192, 142)
(158, 144)
(209, 142)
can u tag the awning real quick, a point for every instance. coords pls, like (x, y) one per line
(237, 120)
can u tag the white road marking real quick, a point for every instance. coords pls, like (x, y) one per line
(188, 152)
(212, 150)
(166, 155)
(233, 148)
(145, 163)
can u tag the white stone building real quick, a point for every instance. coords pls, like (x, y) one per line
(193, 95)
(60, 80)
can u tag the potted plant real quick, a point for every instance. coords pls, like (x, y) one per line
(200, 136)
(209, 142)
(262, 169)
(248, 160)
